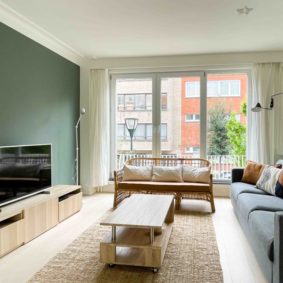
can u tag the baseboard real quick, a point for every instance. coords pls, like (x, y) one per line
(220, 190)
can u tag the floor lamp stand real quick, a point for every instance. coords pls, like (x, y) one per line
(77, 146)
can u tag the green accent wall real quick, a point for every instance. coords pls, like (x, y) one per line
(39, 100)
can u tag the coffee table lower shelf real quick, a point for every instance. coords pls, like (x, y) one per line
(133, 247)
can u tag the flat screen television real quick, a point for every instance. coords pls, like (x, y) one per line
(24, 171)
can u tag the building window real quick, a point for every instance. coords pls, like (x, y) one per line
(215, 88)
(164, 101)
(192, 117)
(192, 149)
(192, 89)
(142, 133)
(138, 102)
(223, 88)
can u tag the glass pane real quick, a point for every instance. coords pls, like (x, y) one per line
(180, 125)
(134, 100)
(139, 102)
(226, 137)
(149, 102)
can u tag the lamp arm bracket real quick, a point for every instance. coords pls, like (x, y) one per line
(275, 94)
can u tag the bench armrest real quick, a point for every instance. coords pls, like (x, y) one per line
(118, 175)
(237, 174)
(278, 248)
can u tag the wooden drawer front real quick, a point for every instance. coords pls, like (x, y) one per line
(69, 206)
(11, 237)
(40, 218)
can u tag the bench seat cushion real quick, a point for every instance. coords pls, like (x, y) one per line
(163, 186)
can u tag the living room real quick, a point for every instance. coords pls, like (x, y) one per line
(141, 141)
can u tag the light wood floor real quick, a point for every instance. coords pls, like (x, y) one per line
(237, 260)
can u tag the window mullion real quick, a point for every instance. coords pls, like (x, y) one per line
(203, 114)
(156, 115)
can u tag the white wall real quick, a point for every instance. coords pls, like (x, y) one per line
(188, 62)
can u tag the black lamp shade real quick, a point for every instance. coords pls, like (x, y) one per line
(257, 108)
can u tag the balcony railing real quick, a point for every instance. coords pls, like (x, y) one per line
(221, 164)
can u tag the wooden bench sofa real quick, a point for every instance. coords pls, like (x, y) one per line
(181, 190)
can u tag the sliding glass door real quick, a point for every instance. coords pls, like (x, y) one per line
(189, 114)
(180, 115)
(133, 115)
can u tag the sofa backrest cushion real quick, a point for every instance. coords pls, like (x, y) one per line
(137, 173)
(167, 174)
(252, 172)
(268, 179)
(196, 175)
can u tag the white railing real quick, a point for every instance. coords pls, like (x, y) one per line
(221, 164)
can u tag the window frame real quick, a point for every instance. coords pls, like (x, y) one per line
(156, 78)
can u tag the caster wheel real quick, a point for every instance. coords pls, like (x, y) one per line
(155, 270)
(111, 265)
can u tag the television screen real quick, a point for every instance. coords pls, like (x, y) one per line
(24, 171)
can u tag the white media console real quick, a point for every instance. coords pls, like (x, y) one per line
(26, 219)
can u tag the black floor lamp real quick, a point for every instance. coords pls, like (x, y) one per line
(131, 125)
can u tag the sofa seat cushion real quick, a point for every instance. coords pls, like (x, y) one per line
(248, 203)
(261, 224)
(163, 186)
(240, 187)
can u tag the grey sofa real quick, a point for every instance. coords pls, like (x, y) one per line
(261, 218)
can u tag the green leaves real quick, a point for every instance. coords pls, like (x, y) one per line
(226, 135)
(236, 133)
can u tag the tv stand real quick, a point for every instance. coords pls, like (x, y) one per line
(22, 221)
(45, 192)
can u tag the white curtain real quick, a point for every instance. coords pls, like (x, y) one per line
(264, 128)
(99, 138)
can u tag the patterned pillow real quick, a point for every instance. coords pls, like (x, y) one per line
(268, 179)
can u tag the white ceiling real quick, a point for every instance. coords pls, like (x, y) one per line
(119, 28)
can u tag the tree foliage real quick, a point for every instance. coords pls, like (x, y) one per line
(217, 132)
(236, 133)
(244, 108)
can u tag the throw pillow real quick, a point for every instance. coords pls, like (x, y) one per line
(167, 174)
(268, 179)
(137, 173)
(252, 172)
(279, 186)
(195, 174)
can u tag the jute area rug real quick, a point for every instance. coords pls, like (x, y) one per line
(191, 257)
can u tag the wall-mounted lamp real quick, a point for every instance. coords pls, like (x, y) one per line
(258, 107)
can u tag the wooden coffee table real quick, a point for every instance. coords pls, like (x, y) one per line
(141, 228)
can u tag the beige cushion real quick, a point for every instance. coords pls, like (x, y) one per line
(167, 174)
(137, 173)
(268, 179)
(196, 175)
